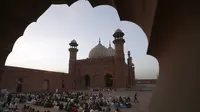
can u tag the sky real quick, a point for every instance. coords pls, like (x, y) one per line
(45, 43)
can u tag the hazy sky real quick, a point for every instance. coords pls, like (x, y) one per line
(45, 43)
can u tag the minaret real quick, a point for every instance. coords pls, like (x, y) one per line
(72, 57)
(131, 71)
(119, 76)
(119, 44)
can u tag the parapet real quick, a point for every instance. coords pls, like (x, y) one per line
(88, 60)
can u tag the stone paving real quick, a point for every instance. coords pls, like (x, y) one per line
(144, 99)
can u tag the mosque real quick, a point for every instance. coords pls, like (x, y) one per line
(104, 67)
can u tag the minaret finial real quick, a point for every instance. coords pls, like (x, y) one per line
(109, 44)
(129, 53)
(99, 40)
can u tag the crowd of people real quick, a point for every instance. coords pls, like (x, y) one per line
(66, 101)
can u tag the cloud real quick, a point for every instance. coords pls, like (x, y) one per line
(44, 44)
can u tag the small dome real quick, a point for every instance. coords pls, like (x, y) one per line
(118, 31)
(111, 51)
(98, 51)
(118, 34)
(73, 41)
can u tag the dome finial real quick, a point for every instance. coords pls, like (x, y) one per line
(99, 40)
(109, 44)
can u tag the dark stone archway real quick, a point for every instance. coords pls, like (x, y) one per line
(87, 80)
(18, 14)
(175, 43)
(108, 80)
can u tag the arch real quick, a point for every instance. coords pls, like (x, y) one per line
(74, 84)
(87, 80)
(63, 84)
(19, 85)
(108, 80)
(46, 85)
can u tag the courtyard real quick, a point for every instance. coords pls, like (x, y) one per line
(143, 97)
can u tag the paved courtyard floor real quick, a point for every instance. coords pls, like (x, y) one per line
(144, 100)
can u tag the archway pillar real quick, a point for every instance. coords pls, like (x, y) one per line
(16, 17)
(3, 56)
(7, 42)
(175, 42)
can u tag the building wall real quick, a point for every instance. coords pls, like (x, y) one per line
(96, 69)
(33, 80)
(146, 81)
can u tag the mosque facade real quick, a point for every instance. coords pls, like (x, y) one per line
(104, 68)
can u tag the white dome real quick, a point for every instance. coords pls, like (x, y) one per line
(111, 51)
(98, 51)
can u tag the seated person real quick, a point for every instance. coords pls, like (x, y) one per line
(48, 103)
(61, 106)
(128, 105)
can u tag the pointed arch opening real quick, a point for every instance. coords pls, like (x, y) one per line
(74, 84)
(19, 88)
(46, 85)
(63, 84)
(108, 80)
(87, 80)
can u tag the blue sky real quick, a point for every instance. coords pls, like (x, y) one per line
(44, 44)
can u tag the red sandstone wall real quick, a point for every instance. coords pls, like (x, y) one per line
(95, 71)
(146, 81)
(33, 80)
